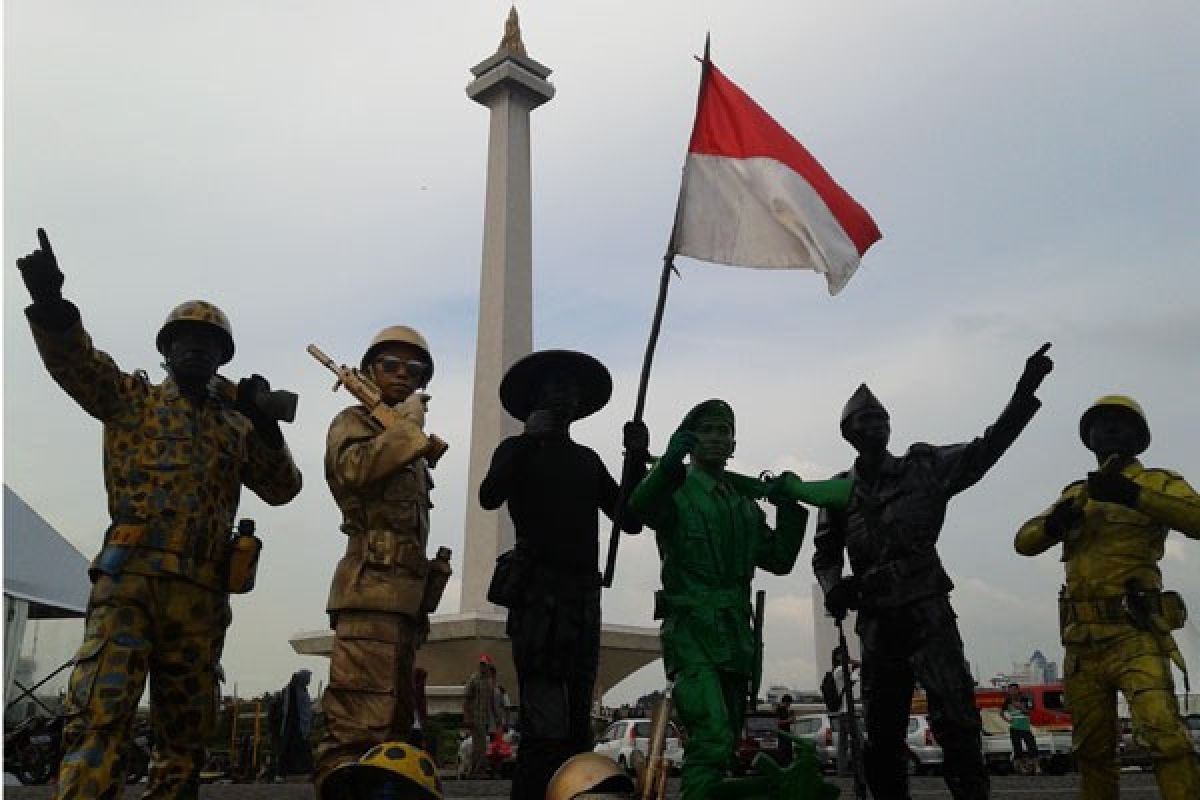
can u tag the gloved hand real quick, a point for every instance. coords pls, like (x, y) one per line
(414, 407)
(41, 274)
(1112, 487)
(636, 438)
(1037, 367)
(776, 488)
(682, 443)
(844, 595)
(1062, 518)
(250, 393)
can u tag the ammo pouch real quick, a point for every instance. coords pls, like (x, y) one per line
(509, 579)
(241, 563)
(436, 580)
(1172, 613)
(1149, 610)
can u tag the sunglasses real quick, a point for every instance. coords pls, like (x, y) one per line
(414, 368)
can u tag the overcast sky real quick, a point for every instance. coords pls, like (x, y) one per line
(317, 170)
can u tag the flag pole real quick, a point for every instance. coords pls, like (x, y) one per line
(630, 465)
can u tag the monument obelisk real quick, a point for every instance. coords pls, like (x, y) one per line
(511, 85)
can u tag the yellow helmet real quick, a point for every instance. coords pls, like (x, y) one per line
(589, 774)
(398, 334)
(1128, 404)
(192, 312)
(409, 770)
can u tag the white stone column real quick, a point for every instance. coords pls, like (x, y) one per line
(510, 85)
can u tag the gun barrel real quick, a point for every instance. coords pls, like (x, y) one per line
(317, 353)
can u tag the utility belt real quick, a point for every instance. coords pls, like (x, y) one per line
(518, 573)
(421, 581)
(882, 579)
(1145, 609)
(669, 604)
(237, 553)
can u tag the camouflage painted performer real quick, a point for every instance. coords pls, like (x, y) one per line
(1116, 619)
(710, 539)
(555, 489)
(383, 588)
(907, 626)
(176, 455)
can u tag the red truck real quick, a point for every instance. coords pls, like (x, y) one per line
(1044, 701)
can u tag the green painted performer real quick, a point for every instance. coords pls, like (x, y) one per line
(711, 538)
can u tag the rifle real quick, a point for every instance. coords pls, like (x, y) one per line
(653, 784)
(850, 717)
(367, 393)
(276, 404)
(760, 598)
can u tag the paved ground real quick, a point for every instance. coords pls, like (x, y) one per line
(1134, 786)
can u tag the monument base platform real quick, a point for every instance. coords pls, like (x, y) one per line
(451, 654)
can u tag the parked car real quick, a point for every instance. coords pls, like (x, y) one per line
(925, 753)
(626, 736)
(1193, 723)
(760, 734)
(822, 731)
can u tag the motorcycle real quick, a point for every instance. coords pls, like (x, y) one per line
(33, 749)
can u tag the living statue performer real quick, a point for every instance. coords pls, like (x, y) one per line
(897, 583)
(710, 538)
(176, 455)
(384, 587)
(555, 489)
(1116, 619)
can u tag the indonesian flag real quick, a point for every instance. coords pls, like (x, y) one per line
(752, 196)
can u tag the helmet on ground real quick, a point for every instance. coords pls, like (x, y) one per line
(589, 775)
(862, 400)
(1115, 401)
(388, 771)
(197, 312)
(398, 334)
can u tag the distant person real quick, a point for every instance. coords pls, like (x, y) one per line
(783, 715)
(1020, 732)
(1116, 619)
(480, 713)
(296, 756)
(176, 455)
(906, 624)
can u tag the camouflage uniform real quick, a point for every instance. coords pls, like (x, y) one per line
(173, 471)
(378, 605)
(1106, 650)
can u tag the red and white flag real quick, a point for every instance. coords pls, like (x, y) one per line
(752, 196)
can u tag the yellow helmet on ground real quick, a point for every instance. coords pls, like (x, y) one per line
(388, 771)
(197, 312)
(398, 334)
(589, 775)
(1119, 401)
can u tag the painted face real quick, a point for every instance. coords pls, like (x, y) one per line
(1114, 431)
(560, 394)
(714, 441)
(194, 354)
(869, 430)
(399, 370)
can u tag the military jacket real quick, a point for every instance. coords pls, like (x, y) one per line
(891, 527)
(710, 540)
(173, 469)
(381, 482)
(1113, 544)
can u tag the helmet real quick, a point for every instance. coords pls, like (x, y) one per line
(712, 407)
(395, 770)
(197, 311)
(590, 773)
(861, 400)
(1120, 401)
(398, 334)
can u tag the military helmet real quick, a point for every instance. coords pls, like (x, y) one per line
(711, 407)
(861, 400)
(398, 334)
(393, 770)
(193, 312)
(589, 775)
(1119, 401)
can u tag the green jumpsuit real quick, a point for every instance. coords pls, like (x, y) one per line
(1105, 650)
(710, 539)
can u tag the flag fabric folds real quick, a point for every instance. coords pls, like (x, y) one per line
(753, 196)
